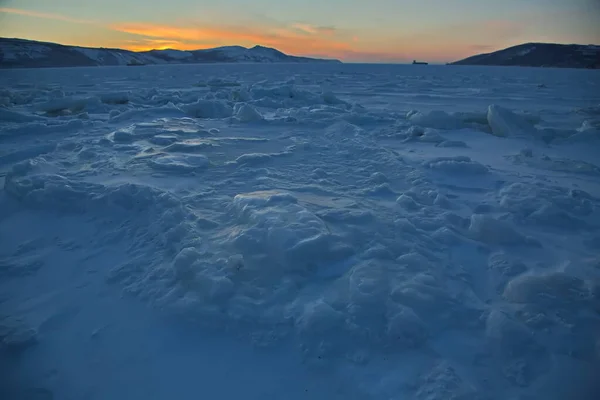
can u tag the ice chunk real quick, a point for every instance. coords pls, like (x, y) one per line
(458, 164)
(418, 134)
(247, 113)
(179, 163)
(408, 203)
(69, 104)
(114, 97)
(588, 131)
(504, 122)
(435, 119)
(527, 157)
(208, 109)
(183, 264)
(28, 182)
(253, 158)
(163, 140)
(123, 136)
(188, 146)
(330, 98)
(147, 113)
(452, 143)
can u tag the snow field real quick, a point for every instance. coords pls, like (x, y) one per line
(367, 234)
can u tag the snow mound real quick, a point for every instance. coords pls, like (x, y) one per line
(550, 289)
(443, 381)
(550, 206)
(16, 335)
(502, 269)
(527, 157)
(26, 153)
(505, 123)
(456, 165)
(14, 116)
(37, 184)
(208, 109)
(508, 337)
(493, 231)
(179, 163)
(406, 328)
(557, 307)
(277, 227)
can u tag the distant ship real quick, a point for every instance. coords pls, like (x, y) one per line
(415, 62)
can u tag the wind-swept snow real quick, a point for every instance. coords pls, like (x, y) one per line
(313, 231)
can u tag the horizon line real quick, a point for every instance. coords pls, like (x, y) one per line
(288, 54)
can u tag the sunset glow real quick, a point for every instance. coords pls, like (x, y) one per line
(398, 32)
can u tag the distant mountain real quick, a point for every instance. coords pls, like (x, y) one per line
(540, 55)
(21, 53)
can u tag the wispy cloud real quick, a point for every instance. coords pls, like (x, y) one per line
(37, 14)
(314, 30)
(166, 32)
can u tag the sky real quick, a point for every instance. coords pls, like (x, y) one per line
(350, 30)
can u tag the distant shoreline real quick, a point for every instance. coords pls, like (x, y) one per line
(23, 53)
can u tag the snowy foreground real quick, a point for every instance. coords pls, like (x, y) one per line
(299, 232)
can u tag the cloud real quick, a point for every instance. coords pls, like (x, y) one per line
(194, 34)
(37, 14)
(314, 30)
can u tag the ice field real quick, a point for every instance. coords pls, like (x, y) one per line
(255, 231)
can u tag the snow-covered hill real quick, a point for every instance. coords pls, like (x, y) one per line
(20, 53)
(540, 55)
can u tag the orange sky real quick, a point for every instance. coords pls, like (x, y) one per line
(352, 30)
